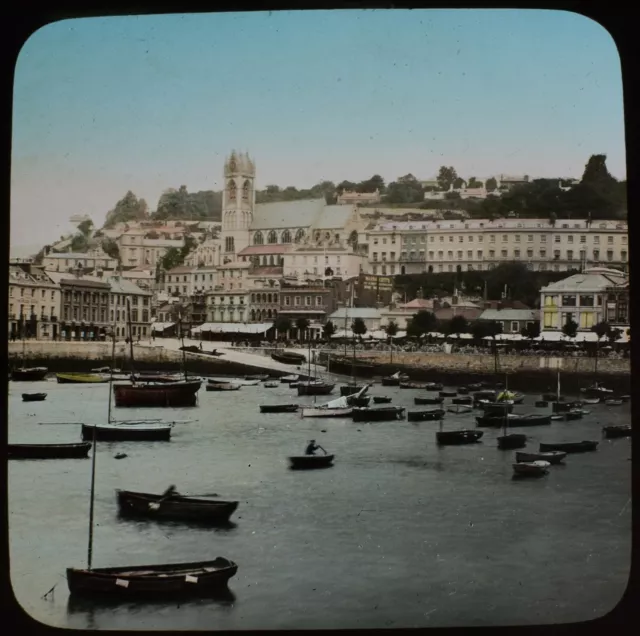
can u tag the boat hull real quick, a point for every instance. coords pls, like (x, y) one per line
(350, 389)
(382, 414)
(176, 508)
(512, 441)
(319, 412)
(315, 389)
(166, 395)
(292, 359)
(310, 462)
(37, 374)
(531, 469)
(127, 433)
(279, 408)
(612, 432)
(34, 397)
(462, 400)
(80, 378)
(422, 401)
(424, 416)
(553, 457)
(381, 400)
(150, 581)
(222, 387)
(570, 447)
(49, 451)
(452, 438)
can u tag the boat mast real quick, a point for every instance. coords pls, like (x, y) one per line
(113, 361)
(506, 395)
(130, 335)
(184, 359)
(558, 387)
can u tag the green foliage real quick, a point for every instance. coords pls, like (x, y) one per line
(531, 331)
(79, 243)
(302, 324)
(479, 330)
(605, 329)
(446, 177)
(129, 208)
(458, 183)
(182, 204)
(406, 189)
(85, 227)
(458, 324)
(570, 328)
(283, 325)
(474, 183)
(421, 323)
(110, 247)
(328, 330)
(391, 329)
(358, 327)
(172, 258)
(491, 184)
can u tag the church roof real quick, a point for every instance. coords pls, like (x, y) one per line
(287, 214)
(265, 249)
(333, 217)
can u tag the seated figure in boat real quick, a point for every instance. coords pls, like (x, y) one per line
(170, 492)
(312, 447)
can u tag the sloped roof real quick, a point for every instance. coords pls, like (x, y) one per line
(122, 286)
(591, 280)
(332, 217)
(417, 303)
(253, 250)
(286, 214)
(510, 314)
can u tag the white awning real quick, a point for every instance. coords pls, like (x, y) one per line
(461, 336)
(234, 327)
(161, 326)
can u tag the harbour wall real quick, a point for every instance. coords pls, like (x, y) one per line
(60, 357)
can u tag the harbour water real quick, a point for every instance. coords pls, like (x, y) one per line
(398, 533)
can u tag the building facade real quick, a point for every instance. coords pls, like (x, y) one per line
(124, 293)
(70, 261)
(85, 309)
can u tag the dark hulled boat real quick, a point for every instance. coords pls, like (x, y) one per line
(349, 389)
(378, 414)
(381, 399)
(152, 581)
(314, 388)
(289, 358)
(170, 394)
(495, 421)
(49, 451)
(279, 408)
(360, 400)
(33, 374)
(570, 447)
(414, 385)
(34, 397)
(467, 399)
(612, 432)
(512, 441)
(424, 416)
(81, 378)
(451, 394)
(498, 409)
(395, 379)
(422, 401)
(463, 436)
(158, 378)
(309, 462)
(174, 507)
(151, 432)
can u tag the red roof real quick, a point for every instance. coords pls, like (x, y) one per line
(264, 249)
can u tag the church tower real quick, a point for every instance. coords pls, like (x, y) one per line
(238, 202)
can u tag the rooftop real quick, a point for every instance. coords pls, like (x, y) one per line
(274, 248)
(591, 280)
(120, 285)
(510, 314)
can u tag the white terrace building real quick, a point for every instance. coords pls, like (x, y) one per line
(480, 244)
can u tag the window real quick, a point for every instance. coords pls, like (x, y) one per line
(504, 253)
(596, 240)
(529, 253)
(583, 238)
(459, 254)
(384, 257)
(441, 239)
(318, 301)
(450, 239)
(432, 239)
(375, 270)
(460, 239)
(384, 241)
(480, 238)
(375, 241)
(450, 255)
(530, 238)
(479, 253)
(586, 301)
(297, 301)
(440, 254)
(470, 238)
(543, 238)
(568, 301)
(430, 256)
(514, 326)
(492, 253)
(624, 240)
(505, 238)
(596, 255)
(623, 255)
(543, 253)
(556, 238)
(469, 253)
(609, 255)
(517, 238)
(492, 238)
(375, 256)
(570, 238)
(516, 253)
(609, 240)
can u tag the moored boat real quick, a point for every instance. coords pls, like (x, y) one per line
(595, 390)
(462, 436)
(307, 462)
(433, 386)
(395, 379)
(595, 400)
(314, 388)
(381, 399)
(573, 414)
(222, 387)
(261, 377)
(271, 385)
(238, 381)
(424, 416)
(570, 447)
(358, 400)
(531, 469)
(127, 432)
(81, 378)
(295, 359)
(467, 399)
(279, 408)
(459, 409)
(613, 402)
(612, 432)
(30, 374)
(174, 507)
(287, 379)
(451, 394)
(34, 397)
(531, 419)
(512, 441)
(463, 390)
(553, 457)
(541, 404)
(378, 414)
(170, 394)
(349, 389)
(174, 580)
(49, 451)
(413, 385)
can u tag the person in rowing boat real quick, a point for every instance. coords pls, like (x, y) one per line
(312, 447)
(169, 492)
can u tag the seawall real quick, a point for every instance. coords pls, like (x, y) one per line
(61, 357)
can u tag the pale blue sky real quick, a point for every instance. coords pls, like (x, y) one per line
(103, 105)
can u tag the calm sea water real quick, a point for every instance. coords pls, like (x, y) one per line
(399, 533)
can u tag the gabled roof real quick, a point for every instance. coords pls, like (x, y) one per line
(510, 314)
(122, 286)
(286, 214)
(591, 280)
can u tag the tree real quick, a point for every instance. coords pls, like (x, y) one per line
(302, 324)
(570, 328)
(371, 185)
(479, 330)
(446, 177)
(532, 330)
(129, 208)
(452, 196)
(458, 324)
(491, 184)
(391, 329)
(328, 330)
(283, 325)
(474, 183)
(85, 227)
(421, 323)
(358, 327)
(110, 247)
(171, 258)
(458, 183)
(79, 243)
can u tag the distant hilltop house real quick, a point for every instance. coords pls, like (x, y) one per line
(349, 197)
(433, 192)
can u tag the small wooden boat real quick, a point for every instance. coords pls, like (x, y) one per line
(381, 399)
(29, 374)
(152, 581)
(434, 386)
(462, 436)
(49, 451)
(222, 387)
(339, 407)
(271, 385)
(170, 394)
(467, 399)
(474, 387)
(498, 409)
(238, 381)
(612, 432)
(553, 457)
(358, 400)
(451, 394)
(34, 397)
(349, 389)
(552, 397)
(565, 407)
(424, 416)
(570, 447)
(595, 400)
(287, 379)
(459, 409)
(260, 377)
(613, 402)
(422, 401)
(413, 385)
(314, 388)
(595, 390)
(624, 398)
(279, 408)
(174, 507)
(129, 433)
(463, 390)
(81, 378)
(511, 441)
(395, 379)
(541, 404)
(378, 414)
(309, 462)
(531, 469)
(557, 417)
(296, 359)
(573, 414)
(484, 394)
